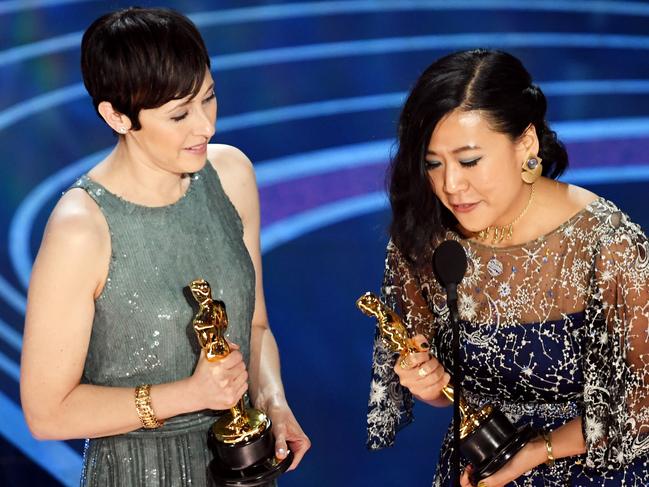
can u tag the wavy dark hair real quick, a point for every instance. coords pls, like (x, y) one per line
(492, 81)
(139, 58)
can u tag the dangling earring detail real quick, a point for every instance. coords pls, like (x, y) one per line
(531, 169)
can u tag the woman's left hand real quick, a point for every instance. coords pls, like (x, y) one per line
(288, 434)
(532, 455)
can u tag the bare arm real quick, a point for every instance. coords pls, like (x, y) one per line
(68, 274)
(266, 388)
(567, 441)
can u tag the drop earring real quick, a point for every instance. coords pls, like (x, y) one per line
(531, 169)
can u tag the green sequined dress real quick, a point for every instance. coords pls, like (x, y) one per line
(142, 331)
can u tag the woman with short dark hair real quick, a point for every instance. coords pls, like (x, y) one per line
(109, 351)
(553, 307)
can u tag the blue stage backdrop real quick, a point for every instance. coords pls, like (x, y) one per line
(311, 92)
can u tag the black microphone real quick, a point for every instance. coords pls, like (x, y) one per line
(449, 265)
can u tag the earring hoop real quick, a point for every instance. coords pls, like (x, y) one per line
(531, 169)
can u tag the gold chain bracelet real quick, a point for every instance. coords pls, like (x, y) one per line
(144, 409)
(548, 449)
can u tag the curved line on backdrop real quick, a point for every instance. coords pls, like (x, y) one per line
(51, 99)
(296, 226)
(396, 100)
(55, 457)
(309, 52)
(54, 98)
(12, 296)
(421, 43)
(31, 205)
(12, 6)
(315, 9)
(8, 366)
(14, 339)
(281, 169)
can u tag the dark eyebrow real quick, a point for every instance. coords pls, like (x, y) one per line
(189, 100)
(455, 151)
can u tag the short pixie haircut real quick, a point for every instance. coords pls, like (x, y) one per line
(141, 58)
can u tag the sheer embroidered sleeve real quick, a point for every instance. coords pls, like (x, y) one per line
(616, 363)
(390, 404)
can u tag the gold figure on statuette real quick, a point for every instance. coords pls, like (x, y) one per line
(396, 338)
(240, 424)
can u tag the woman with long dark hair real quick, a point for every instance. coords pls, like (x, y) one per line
(109, 352)
(553, 307)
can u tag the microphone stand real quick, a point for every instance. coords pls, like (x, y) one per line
(490, 439)
(451, 300)
(449, 265)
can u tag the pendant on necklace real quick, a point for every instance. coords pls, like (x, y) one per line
(494, 267)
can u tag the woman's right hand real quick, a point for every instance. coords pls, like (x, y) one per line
(219, 385)
(422, 374)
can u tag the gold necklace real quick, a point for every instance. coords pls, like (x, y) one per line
(504, 232)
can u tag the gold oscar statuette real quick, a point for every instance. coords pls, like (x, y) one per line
(487, 438)
(241, 439)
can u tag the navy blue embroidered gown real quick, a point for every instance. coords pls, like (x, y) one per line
(552, 329)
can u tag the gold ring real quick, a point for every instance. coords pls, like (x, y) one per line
(482, 483)
(422, 372)
(404, 364)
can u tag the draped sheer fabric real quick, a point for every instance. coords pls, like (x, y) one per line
(551, 329)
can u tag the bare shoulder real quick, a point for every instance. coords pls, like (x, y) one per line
(232, 165)
(579, 197)
(77, 222)
(77, 210)
(566, 199)
(237, 177)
